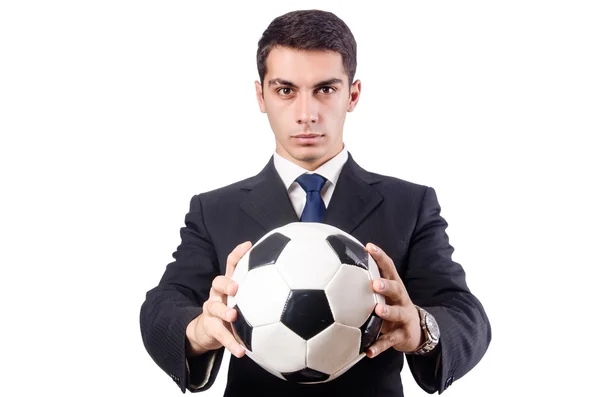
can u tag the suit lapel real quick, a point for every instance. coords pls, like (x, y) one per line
(353, 198)
(268, 202)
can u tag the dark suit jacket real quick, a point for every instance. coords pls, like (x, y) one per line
(400, 217)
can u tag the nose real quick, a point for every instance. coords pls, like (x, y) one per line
(307, 109)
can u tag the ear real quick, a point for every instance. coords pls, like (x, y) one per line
(354, 95)
(259, 97)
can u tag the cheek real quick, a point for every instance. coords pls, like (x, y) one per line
(337, 113)
(281, 118)
(279, 121)
(277, 111)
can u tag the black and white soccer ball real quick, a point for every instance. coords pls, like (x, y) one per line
(306, 308)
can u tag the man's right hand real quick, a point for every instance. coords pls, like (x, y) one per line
(212, 329)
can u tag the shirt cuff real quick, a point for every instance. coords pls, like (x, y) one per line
(199, 369)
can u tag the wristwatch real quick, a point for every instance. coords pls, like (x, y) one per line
(431, 330)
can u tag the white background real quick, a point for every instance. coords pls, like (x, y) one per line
(114, 113)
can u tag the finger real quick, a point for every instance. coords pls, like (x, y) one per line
(385, 342)
(220, 310)
(226, 338)
(234, 257)
(392, 289)
(224, 285)
(393, 313)
(215, 295)
(386, 327)
(384, 262)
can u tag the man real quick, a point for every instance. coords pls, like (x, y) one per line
(306, 62)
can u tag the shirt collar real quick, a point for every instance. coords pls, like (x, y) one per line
(289, 171)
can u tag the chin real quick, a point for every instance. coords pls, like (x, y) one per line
(310, 155)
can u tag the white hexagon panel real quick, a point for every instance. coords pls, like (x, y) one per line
(279, 348)
(308, 266)
(298, 230)
(351, 297)
(347, 367)
(262, 296)
(263, 365)
(333, 348)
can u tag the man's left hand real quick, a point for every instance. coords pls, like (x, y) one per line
(401, 326)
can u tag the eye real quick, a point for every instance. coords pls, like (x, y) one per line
(326, 90)
(285, 91)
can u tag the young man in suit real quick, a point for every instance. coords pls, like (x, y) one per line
(306, 63)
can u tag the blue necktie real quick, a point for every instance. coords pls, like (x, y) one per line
(314, 210)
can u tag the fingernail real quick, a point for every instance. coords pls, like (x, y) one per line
(384, 310)
(239, 351)
(381, 284)
(374, 248)
(373, 351)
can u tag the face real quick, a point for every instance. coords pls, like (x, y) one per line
(306, 96)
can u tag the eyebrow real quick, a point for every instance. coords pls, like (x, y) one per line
(319, 84)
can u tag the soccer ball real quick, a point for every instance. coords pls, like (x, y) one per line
(306, 308)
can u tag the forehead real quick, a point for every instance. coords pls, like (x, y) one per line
(304, 67)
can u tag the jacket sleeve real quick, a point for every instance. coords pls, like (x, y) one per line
(437, 284)
(177, 300)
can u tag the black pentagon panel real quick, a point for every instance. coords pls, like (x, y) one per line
(307, 312)
(305, 375)
(369, 331)
(349, 252)
(267, 251)
(243, 329)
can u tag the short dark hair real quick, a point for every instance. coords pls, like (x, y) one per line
(308, 30)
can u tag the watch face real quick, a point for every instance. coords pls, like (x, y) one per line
(432, 326)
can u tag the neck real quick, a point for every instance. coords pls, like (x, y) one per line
(312, 164)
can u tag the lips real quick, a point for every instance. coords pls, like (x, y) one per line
(307, 139)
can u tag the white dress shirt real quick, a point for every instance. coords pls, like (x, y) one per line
(289, 171)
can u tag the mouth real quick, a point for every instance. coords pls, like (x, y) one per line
(307, 139)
